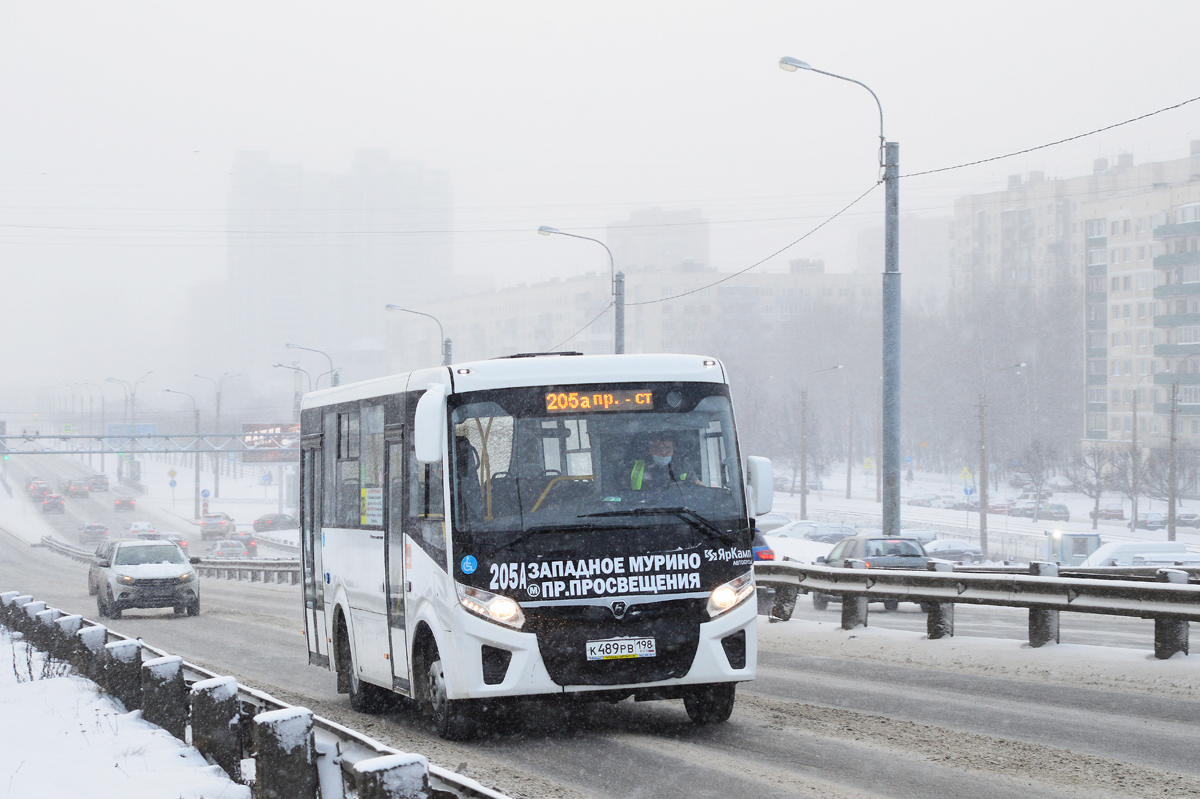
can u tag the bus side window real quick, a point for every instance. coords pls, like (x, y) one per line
(425, 519)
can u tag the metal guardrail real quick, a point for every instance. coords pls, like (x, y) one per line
(1170, 597)
(342, 745)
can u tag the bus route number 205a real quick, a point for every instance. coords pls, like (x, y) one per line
(620, 648)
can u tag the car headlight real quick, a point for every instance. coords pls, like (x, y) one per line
(731, 594)
(124, 579)
(493, 607)
(187, 578)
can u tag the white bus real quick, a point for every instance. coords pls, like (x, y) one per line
(508, 528)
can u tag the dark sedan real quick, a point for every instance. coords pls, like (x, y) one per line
(877, 552)
(275, 521)
(954, 549)
(53, 503)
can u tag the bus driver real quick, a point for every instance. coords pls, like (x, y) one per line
(658, 471)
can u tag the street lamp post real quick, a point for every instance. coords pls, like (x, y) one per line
(983, 457)
(333, 375)
(804, 439)
(218, 385)
(131, 400)
(296, 390)
(195, 455)
(125, 414)
(1172, 469)
(618, 286)
(447, 351)
(889, 162)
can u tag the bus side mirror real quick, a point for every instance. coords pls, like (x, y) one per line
(760, 491)
(429, 424)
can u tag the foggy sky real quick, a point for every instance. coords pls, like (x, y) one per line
(120, 123)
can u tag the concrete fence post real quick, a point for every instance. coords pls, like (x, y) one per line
(939, 616)
(854, 608)
(45, 633)
(165, 695)
(285, 754)
(1170, 634)
(123, 672)
(12, 606)
(393, 777)
(216, 728)
(785, 602)
(1043, 624)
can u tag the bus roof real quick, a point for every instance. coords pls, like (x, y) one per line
(535, 370)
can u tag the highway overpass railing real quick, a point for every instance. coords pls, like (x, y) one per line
(257, 570)
(295, 752)
(1169, 596)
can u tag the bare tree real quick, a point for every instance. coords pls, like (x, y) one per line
(1090, 473)
(1128, 477)
(1037, 465)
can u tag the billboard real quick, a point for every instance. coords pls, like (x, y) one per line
(271, 443)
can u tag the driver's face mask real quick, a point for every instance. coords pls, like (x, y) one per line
(661, 460)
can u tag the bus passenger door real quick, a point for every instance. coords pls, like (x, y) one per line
(310, 553)
(395, 559)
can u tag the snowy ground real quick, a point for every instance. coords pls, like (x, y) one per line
(53, 719)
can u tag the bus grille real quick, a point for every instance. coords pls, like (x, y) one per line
(563, 633)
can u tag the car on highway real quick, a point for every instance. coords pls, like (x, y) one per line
(761, 549)
(248, 540)
(179, 539)
(98, 482)
(830, 533)
(1110, 510)
(1150, 521)
(1187, 519)
(53, 503)
(227, 549)
(102, 553)
(275, 521)
(791, 543)
(146, 574)
(770, 521)
(216, 525)
(30, 480)
(140, 528)
(93, 533)
(39, 489)
(78, 488)
(877, 552)
(1055, 512)
(954, 549)
(124, 504)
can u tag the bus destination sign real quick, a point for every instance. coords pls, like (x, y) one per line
(573, 401)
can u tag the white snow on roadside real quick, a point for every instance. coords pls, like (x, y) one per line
(61, 736)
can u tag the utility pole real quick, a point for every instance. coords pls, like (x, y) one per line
(1135, 464)
(890, 466)
(619, 318)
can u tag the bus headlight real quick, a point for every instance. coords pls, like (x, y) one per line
(492, 607)
(731, 594)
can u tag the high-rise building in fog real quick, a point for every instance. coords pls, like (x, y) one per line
(313, 257)
(1128, 235)
(652, 238)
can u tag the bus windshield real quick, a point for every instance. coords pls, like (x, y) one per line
(571, 460)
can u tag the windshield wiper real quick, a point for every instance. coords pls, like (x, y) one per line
(686, 514)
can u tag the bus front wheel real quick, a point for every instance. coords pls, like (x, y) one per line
(710, 704)
(453, 719)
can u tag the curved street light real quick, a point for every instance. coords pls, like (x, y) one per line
(333, 375)
(617, 286)
(196, 455)
(296, 369)
(447, 355)
(889, 466)
(217, 385)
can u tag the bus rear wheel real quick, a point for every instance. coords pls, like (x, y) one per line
(710, 704)
(453, 719)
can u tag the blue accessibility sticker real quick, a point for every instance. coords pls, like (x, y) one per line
(469, 564)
